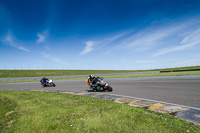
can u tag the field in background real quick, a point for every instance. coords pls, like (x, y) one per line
(155, 74)
(46, 73)
(121, 76)
(30, 111)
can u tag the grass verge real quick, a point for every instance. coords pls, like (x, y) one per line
(28, 111)
(121, 76)
(46, 73)
(155, 74)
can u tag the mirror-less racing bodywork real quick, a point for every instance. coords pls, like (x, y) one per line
(101, 85)
(47, 82)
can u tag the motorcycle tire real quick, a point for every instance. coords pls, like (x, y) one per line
(94, 89)
(54, 85)
(44, 85)
(110, 88)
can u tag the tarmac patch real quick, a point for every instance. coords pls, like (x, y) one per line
(189, 115)
(171, 109)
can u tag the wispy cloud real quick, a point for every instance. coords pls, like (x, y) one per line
(151, 37)
(23, 49)
(89, 47)
(156, 40)
(11, 41)
(54, 59)
(187, 42)
(92, 45)
(173, 49)
(42, 36)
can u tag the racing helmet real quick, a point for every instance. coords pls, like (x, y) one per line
(91, 76)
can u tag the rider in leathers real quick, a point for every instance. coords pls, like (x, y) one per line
(92, 79)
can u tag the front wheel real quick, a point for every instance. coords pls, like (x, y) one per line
(94, 89)
(53, 84)
(110, 88)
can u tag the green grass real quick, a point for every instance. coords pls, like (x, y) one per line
(38, 80)
(121, 76)
(46, 73)
(46, 112)
(155, 74)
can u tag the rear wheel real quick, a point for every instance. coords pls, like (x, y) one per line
(44, 85)
(110, 88)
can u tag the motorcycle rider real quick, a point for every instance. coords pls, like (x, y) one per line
(92, 79)
(44, 80)
(95, 84)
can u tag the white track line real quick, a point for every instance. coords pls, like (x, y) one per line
(155, 101)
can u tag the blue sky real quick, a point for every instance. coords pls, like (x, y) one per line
(99, 34)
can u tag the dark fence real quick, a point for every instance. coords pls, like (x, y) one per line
(179, 70)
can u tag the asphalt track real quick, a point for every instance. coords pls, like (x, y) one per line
(182, 90)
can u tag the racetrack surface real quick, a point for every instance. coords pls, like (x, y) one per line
(182, 90)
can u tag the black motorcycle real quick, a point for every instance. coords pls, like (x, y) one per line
(101, 85)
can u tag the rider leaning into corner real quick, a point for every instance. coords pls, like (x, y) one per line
(96, 83)
(44, 79)
(92, 79)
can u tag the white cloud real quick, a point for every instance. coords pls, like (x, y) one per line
(92, 45)
(159, 38)
(54, 59)
(144, 40)
(42, 36)
(177, 48)
(148, 38)
(142, 48)
(24, 49)
(11, 41)
(187, 42)
(89, 47)
(194, 37)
